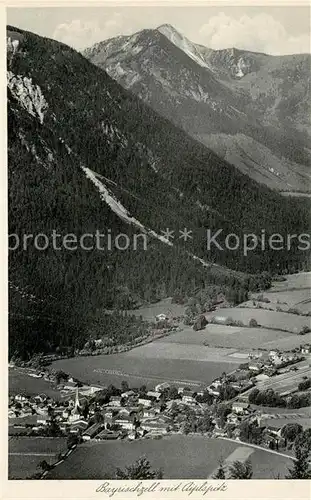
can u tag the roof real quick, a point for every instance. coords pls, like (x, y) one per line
(154, 394)
(93, 429)
(153, 425)
(241, 404)
(187, 393)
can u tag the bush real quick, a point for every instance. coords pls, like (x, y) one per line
(292, 310)
(305, 329)
(305, 385)
(253, 323)
(229, 321)
(261, 298)
(200, 323)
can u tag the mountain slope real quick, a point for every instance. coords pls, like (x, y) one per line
(230, 93)
(84, 156)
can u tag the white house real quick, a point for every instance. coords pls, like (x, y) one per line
(256, 367)
(162, 387)
(145, 402)
(43, 419)
(125, 422)
(154, 394)
(20, 398)
(115, 401)
(161, 317)
(240, 407)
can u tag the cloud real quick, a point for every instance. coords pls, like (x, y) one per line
(261, 33)
(81, 34)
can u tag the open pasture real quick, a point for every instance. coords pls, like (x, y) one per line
(232, 337)
(165, 306)
(293, 281)
(178, 456)
(21, 382)
(139, 370)
(25, 453)
(190, 352)
(299, 299)
(270, 319)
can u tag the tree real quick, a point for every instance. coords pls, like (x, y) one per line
(173, 393)
(227, 392)
(141, 469)
(221, 472)
(72, 440)
(253, 323)
(304, 440)
(98, 417)
(222, 410)
(124, 386)
(291, 431)
(300, 469)
(61, 375)
(205, 398)
(44, 466)
(251, 432)
(241, 470)
(200, 323)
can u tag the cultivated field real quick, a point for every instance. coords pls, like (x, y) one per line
(191, 352)
(164, 306)
(197, 358)
(26, 453)
(271, 319)
(179, 456)
(293, 281)
(20, 382)
(235, 337)
(138, 370)
(286, 381)
(299, 299)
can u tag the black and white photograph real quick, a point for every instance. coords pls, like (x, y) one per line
(159, 264)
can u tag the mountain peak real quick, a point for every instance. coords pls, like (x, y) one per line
(166, 27)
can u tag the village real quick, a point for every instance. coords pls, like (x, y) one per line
(232, 407)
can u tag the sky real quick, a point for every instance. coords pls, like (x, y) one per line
(273, 30)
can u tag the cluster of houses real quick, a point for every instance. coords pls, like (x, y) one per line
(141, 414)
(132, 416)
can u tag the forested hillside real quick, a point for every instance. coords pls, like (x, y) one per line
(65, 116)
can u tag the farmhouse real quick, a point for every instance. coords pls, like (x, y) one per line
(275, 425)
(220, 320)
(104, 435)
(145, 402)
(115, 401)
(240, 407)
(161, 317)
(149, 412)
(154, 427)
(91, 432)
(154, 394)
(125, 422)
(305, 349)
(256, 367)
(187, 397)
(79, 425)
(21, 398)
(162, 387)
(43, 419)
(127, 394)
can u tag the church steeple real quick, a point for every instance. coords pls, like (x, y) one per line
(77, 402)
